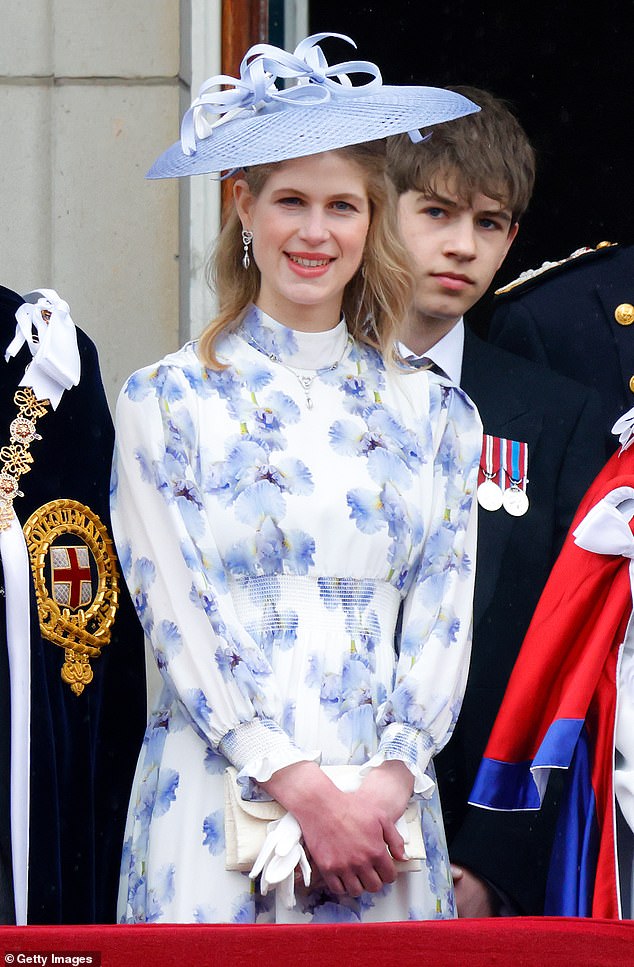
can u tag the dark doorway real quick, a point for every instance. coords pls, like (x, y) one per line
(566, 68)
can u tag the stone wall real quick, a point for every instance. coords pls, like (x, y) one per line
(90, 93)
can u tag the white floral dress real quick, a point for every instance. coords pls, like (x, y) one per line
(268, 536)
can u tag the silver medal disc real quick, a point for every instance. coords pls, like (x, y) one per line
(515, 502)
(489, 495)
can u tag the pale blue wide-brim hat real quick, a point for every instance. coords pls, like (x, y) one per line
(255, 121)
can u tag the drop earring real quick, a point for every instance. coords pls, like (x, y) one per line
(247, 238)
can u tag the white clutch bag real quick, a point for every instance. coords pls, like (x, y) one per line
(247, 823)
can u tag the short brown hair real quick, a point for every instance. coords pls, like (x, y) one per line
(485, 152)
(381, 290)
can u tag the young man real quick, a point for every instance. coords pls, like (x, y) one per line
(461, 195)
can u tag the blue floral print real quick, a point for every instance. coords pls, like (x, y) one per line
(269, 548)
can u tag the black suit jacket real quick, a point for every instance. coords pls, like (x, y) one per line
(565, 319)
(561, 423)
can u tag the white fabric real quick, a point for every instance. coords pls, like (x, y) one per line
(17, 577)
(624, 429)
(56, 365)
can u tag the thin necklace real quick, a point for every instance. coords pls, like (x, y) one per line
(304, 380)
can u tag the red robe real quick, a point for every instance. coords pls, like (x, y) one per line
(559, 712)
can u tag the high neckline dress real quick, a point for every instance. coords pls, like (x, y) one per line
(270, 529)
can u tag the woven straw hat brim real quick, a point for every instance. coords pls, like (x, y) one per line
(279, 132)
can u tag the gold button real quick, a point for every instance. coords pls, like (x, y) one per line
(632, 384)
(624, 314)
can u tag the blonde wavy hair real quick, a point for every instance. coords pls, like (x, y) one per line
(375, 300)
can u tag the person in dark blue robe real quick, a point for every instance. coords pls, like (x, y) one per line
(85, 727)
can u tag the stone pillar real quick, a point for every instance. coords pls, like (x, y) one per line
(90, 93)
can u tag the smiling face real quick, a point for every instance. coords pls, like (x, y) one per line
(457, 247)
(309, 222)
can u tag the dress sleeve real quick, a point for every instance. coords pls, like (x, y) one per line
(418, 717)
(172, 566)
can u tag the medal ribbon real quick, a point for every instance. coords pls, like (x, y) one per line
(492, 448)
(516, 457)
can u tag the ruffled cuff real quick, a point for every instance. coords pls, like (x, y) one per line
(258, 749)
(411, 746)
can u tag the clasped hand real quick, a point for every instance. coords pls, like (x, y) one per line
(350, 837)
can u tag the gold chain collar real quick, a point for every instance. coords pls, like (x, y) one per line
(15, 458)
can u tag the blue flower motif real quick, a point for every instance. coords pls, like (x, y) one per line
(404, 706)
(345, 437)
(314, 672)
(396, 516)
(333, 912)
(214, 833)
(288, 718)
(190, 553)
(206, 600)
(244, 669)
(279, 628)
(140, 384)
(167, 643)
(355, 684)
(240, 559)
(146, 468)
(366, 509)
(199, 709)
(166, 791)
(215, 763)
(261, 501)
(181, 434)
(447, 626)
(193, 520)
(299, 550)
(242, 909)
(270, 337)
(368, 637)
(161, 893)
(124, 551)
(226, 382)
(168, 383)
(255, 376)
(137, 896)
(113, 485)
(386, 467)
(269, 547)
(142, 576)
(330, 695)
(355, 390)
(357, 730)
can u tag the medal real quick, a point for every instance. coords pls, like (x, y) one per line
(490, 496)
(514, 500)
(489, 493)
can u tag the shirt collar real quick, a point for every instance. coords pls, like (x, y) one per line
(447, 352)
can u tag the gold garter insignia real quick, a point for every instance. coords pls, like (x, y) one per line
(76, 583)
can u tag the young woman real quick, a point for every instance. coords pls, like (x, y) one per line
(281, 488)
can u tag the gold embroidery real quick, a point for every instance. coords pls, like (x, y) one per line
(16, 458)
(81, 632)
